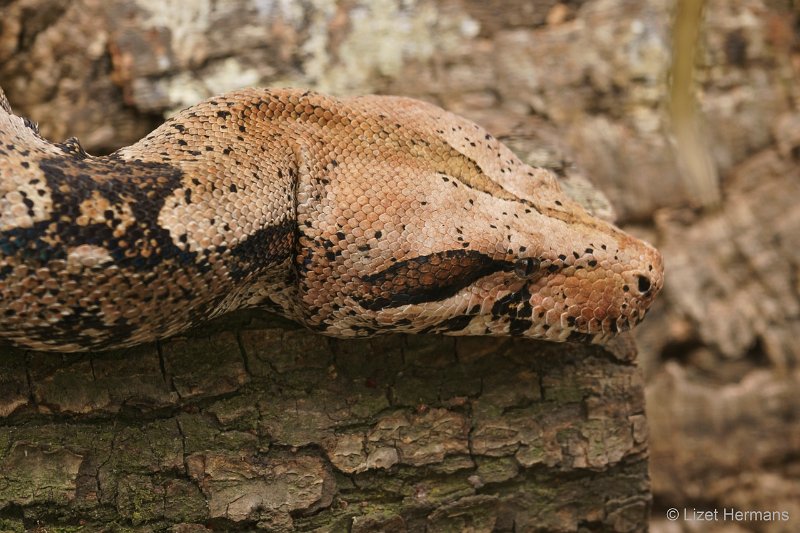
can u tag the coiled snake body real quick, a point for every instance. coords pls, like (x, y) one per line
(352, 216)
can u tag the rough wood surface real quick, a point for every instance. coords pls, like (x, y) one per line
(253, 424)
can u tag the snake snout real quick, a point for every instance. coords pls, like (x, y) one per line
(645, 282)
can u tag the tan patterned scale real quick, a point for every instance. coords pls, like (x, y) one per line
(353, 216)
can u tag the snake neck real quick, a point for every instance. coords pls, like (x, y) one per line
(102, 252)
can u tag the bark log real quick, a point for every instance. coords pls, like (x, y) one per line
(252, 423)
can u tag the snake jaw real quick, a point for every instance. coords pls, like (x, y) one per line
(602, 291)
(593, 294)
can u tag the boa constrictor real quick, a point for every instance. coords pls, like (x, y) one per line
(353, 216)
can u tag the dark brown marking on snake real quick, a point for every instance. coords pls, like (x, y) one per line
(517, 307)
(263, 249)
(427, 278)
(456, 323)
(76, 325)
(577, 336)
(519, 326)
(72, 180)
(72, 146)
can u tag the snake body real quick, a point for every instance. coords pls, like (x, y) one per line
(352, 216)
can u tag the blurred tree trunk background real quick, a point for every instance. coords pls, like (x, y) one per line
(707, 168)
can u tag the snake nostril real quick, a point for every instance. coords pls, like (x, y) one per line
(644, 284)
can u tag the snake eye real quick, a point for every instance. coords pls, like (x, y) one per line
(526, 267)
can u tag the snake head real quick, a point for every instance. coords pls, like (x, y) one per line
(577, 277)
(427, 223)
(504, 267)
(582, 279)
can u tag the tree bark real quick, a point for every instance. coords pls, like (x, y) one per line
(252, 423)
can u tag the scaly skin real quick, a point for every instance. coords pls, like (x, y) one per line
(352, 216)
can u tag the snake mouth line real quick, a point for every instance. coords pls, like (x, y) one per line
(442, 276)
(427, 278)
